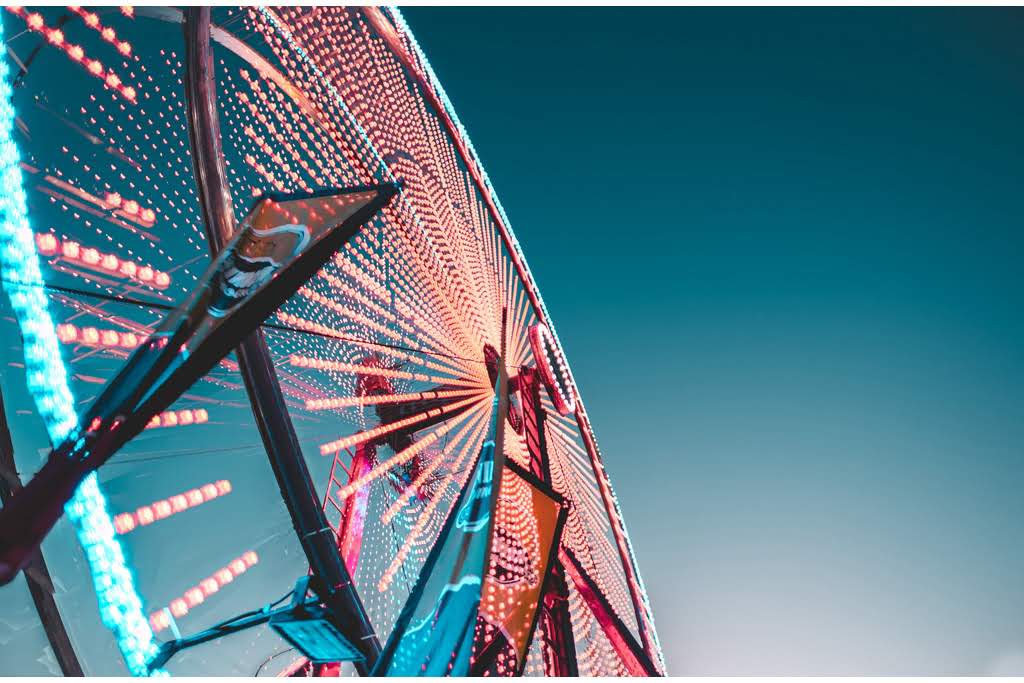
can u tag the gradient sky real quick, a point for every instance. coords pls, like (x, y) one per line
(782, 248)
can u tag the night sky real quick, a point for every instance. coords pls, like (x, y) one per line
(782, 248)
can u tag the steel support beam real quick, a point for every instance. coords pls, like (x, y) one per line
(350, 534)
(254, 359)
(556, 627)
(629, 651)
(40, 585)
(533, 423)
(556, 622)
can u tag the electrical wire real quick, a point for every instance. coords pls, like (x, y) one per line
(271, 658)
(251, 613)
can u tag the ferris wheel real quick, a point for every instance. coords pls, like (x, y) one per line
(435, 501)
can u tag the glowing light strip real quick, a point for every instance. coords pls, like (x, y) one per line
(458, 476)
(108, 264)
(161, 509)
(175, 418)
(92, 20)
(377, 432)
(130, 208)
(119, 602)
(90, 336)
(95, 67)
(428, 471)
(356, 369)
(403, 456)
(376, 400)
(310, 326)
(197, 594)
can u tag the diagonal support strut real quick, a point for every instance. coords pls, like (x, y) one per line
(255, 363)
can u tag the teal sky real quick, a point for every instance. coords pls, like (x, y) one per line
(782, 248)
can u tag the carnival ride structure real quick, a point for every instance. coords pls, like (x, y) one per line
(401, 440)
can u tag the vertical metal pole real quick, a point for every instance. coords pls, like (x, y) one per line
(556, 627)
(631, 653)
(644, 624)
(533, 423)
(40, 586)
(350, 533)
(556, 622)
(254, 358)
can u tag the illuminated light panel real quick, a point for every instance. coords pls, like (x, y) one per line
(120, 606)
(95, 67)
(161, 509)
(179, 418)
(197, 595)
(525, 524)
